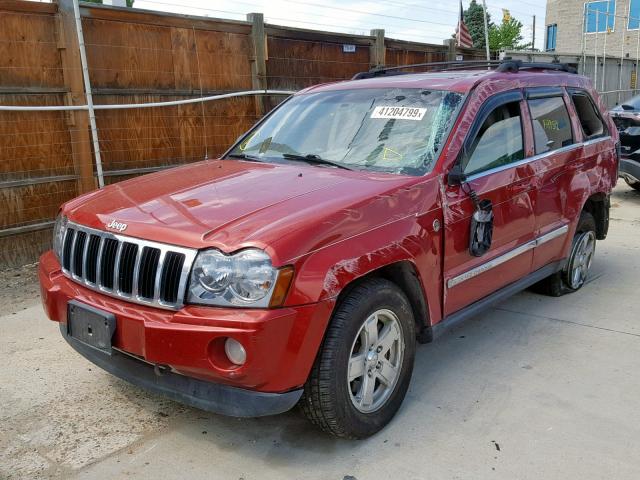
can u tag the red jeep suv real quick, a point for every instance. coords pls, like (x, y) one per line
(356, 219)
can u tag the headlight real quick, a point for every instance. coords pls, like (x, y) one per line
(244, 279)
(59, 230)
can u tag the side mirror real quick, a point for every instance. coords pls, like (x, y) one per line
(456, 176)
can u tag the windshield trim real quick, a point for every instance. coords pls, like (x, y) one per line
(446, 135)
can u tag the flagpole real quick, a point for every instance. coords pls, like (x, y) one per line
(486, 30)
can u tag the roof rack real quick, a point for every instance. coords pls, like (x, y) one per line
(505, 65)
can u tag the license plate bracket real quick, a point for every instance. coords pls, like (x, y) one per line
(91, 326)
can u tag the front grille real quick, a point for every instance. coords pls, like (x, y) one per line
(137, 270)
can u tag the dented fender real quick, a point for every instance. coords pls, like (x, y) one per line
(411, 231)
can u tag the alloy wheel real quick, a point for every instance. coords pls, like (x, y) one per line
(581, 259)
(376, 360)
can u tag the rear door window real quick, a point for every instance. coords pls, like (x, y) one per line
(590, 119)
(551, 124)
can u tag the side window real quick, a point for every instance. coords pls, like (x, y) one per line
(552, 33)
(551, 124)
(499, 140)
(590, 119)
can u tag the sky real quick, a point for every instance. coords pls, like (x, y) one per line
(428, 22)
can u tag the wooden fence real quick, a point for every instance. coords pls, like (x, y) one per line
(137, 56)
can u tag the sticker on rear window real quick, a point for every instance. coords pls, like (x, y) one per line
(404, 113)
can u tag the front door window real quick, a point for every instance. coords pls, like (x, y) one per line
(499, 141)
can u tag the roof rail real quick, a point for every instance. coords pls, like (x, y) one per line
(506, 65)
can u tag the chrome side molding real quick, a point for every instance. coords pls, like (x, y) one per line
(474, 272)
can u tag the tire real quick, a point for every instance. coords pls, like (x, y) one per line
(567, 280)
(635, 185)
(361, 407)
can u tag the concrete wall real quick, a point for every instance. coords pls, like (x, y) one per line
(569, 16)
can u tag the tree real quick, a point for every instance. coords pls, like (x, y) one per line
(474, 19)
(507, 35)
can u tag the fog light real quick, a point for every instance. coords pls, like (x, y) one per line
(235, 351)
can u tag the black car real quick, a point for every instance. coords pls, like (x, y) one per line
(627, 119)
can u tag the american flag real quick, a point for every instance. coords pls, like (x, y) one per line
(463, 38)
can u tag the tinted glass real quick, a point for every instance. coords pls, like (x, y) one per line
(551, 124)
(592, 124)
(499, 141)
(392, 130)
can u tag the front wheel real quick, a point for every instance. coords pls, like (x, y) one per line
(364, 365)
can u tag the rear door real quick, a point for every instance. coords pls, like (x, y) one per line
(496, 170)
(558, 152)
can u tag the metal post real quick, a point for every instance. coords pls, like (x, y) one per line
(604, 53)
(624, 34)
(88, 95)
(486, 30)
(595, 52)
(584, 39)
(533, 40)
(637, 59)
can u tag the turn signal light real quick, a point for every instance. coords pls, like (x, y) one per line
(285, 275)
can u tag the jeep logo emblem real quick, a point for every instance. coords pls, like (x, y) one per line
(114, 225)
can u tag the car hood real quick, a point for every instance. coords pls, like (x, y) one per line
(229, 204)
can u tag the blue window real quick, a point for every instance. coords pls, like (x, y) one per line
(634, 14)
(600, 16)
(552, 31)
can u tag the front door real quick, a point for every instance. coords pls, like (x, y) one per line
(496, 170)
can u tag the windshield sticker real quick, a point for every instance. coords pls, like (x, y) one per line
(403, 113)
(388, 154)
(245, 143)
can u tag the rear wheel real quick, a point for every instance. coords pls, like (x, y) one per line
(635, 185)
(574, 275)
(364, 365)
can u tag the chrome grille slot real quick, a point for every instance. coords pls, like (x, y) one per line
(108, 264)
(66, 249)
(78, 253)
(169, 282)
(91, 259)
(137, 270)
(128, 257)
(148, 268)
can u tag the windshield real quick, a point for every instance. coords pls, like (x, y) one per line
(391, 130)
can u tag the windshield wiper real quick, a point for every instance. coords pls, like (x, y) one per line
(315, 159)
(244, 156)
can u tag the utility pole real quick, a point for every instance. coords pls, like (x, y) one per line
(486, 30)
(533, 40)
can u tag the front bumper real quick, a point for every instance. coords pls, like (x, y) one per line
(630, 167)
(187, 347)
(209, 396)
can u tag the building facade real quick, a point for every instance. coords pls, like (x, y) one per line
(595, 27)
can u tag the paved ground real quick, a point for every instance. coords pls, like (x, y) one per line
(534, 388)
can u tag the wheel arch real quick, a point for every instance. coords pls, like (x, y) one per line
(598, 206)
(405, 276)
